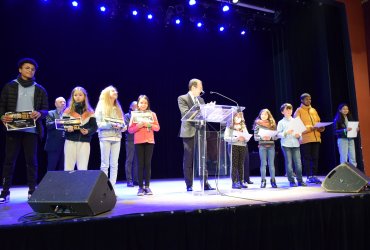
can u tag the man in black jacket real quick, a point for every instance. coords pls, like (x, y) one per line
(22, 94)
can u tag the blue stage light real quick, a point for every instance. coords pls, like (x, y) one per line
(74, 3)
(192, 2)
(134, 12)
(222, 28)
(150, 16)
(178, 21)
(102, 8)
(199, 24)
(242, 32)
(225, 8)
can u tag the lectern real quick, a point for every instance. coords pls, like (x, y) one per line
(203, 116)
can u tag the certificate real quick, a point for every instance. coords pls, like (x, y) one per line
(322, 124)
(297, 126)
(353, 132)
(61, 123)
(139, 116)
(246, 135)
(21, 120)
(115, 120)
(267, 132)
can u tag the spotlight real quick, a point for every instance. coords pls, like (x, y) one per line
(222, 28)
(178, 21)
(235, 1)
(150, 16)
(242, 32)
(192, 2)
(74, 3)
(102, 8)
(199, 24)
(225, 8)
(134, 12)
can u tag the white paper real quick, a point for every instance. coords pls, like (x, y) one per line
(353, 132)
(297, 126)
(246, 135)
(266, 132)
(322, 124)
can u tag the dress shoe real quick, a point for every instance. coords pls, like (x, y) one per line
(263, 183)
(208, 187)
(249, 181)
(189, 188)
(236, 185)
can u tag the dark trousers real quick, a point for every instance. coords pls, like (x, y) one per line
(310, 157)
(246, 164)
(13, 143)
(144, 152)
(187, 162)
(238, 157)
(56, 159)
(131, 162)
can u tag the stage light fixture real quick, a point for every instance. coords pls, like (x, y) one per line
(192, 2)
(74, 3)
(225, 8)
(242, 32)
(235, 1)
(102, 8)
(253, 7)
(178, 21)
(199, 24)
(150, 16)
(134, 12)
(222, 28)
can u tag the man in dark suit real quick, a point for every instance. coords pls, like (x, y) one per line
(54, 144)
(188, 131)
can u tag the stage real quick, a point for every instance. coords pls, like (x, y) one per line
(295, 217)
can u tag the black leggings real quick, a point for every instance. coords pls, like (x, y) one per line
(144, 153)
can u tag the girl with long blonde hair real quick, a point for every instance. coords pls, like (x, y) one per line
(109, 116)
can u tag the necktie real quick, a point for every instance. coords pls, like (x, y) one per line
(196, 101)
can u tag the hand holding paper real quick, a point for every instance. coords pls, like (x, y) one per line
(352, 129)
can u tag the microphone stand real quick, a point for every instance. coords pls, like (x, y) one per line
(237, 105)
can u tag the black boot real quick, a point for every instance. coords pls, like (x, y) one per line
(263, 183)
(273, 183)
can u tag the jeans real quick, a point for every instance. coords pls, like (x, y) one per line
(292, 154)
(109, 152)
(347, 152)
(267, 154)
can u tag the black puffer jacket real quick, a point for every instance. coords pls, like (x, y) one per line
(9, 98)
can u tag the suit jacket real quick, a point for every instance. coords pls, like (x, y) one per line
(54, 138)
(185, 103)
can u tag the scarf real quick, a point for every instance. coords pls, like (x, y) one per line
(25, 83)
(266, 124)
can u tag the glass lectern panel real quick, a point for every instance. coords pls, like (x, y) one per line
(210, 146)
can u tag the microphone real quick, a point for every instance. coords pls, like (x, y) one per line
(237, 105)
(202, 93)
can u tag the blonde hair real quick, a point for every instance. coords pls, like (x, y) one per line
(107, 106)
(86, 105)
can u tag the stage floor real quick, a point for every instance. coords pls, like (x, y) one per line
(170, 195)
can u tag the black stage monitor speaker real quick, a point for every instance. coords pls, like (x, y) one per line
(83, 193)
(345, 178)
